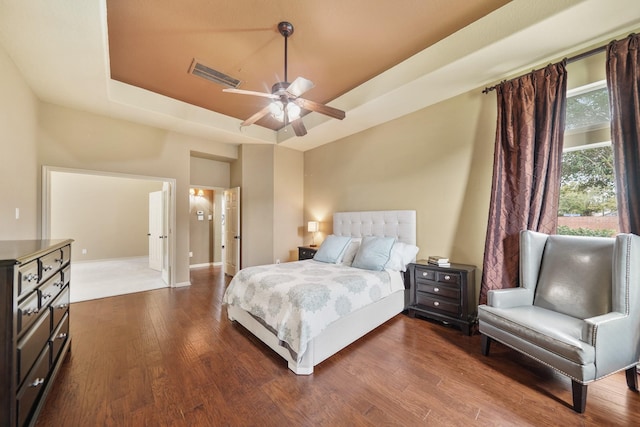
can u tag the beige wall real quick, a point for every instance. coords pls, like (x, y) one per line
(209, 173)
(79, 140)
(271, 191)
(288, 198)
(256, 211)
(18, 165)
(106, 216)
(437, 161)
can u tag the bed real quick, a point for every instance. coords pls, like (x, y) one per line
(303, 347)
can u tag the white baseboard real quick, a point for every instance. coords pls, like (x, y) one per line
(182, 284)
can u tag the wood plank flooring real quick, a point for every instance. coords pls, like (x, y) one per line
(170, 357)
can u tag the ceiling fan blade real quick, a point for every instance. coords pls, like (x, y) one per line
(320, 108)
(250, 92)
(299, 86)
(298, 127)
(257, 116)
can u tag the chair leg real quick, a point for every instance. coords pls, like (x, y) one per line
(485, 344)
(632, 378)
(579, 396)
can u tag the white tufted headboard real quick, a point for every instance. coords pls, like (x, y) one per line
(398, 224)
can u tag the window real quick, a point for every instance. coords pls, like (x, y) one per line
(587, 186)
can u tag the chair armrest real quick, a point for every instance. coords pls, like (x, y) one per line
(612, 352)
(512, 297)
(600, 325)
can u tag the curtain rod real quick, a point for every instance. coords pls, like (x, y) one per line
(567, 60)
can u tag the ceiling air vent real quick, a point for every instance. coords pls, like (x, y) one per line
(201, 70)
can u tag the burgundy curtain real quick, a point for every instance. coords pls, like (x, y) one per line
(623, 79)
(526, 170)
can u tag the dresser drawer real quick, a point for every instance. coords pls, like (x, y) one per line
(28, 311)
(50, 289)
(440, 290)
(30, 346)
(59, 307)
(32, 387)
(437, 303)
(66, 274)
(28, 277)
(49, 264)
(66, 254)
(58, 338)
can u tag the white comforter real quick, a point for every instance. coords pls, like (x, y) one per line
(298, 300)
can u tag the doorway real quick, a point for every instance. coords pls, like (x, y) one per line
(107, 215)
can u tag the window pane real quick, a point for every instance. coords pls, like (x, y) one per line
(588, 109)
(587, 193)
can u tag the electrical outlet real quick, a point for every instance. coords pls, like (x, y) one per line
(84, 252)
(278, 261)
(190, 254)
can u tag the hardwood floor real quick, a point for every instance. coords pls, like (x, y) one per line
(170, 357)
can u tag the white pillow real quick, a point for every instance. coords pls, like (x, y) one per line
(401, 255)
(350, 253)
(332, 249)
(373, 253)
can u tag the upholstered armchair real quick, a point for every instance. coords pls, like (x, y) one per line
(577, 309)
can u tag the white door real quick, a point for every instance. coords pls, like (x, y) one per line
(156, 230)
(231, 231)
(166, 197)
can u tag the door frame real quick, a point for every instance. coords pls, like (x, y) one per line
(170, 211)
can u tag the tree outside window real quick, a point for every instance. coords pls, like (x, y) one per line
(587, 186)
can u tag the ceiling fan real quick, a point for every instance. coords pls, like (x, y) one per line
(287, 102)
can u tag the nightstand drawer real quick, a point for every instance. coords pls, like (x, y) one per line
(306, 252)
(425, 274)
(448, 277)
(437, 303)
(440, 290)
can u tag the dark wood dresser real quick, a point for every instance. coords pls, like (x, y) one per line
(306, 252)
(447, 294)
(34, 324)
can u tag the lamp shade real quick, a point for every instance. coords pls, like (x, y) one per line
(312, 226)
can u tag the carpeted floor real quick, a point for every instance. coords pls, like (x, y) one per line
(100, 279)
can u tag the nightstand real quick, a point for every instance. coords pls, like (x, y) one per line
(306, 252)
(447, 294)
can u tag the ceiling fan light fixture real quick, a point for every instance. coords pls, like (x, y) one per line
(293, 111)
(276, 108)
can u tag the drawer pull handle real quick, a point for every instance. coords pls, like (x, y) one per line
(436, 289)
(447, 277)
(436, 303)
(425, 274)
(59, 261)
(30, 312)
(46, 296)
(59, 284)
(31, 277)
(47, 267)
(62, 306)
(61, 336)
(37, 382)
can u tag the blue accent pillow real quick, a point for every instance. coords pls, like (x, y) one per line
(332, 249)
(374, 252)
